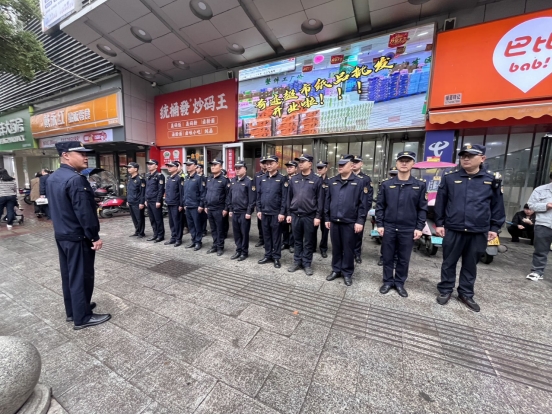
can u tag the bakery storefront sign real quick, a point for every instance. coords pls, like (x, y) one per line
(92, 137)
(15, 131)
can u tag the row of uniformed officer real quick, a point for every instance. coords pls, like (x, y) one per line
(287, 234)
(193, 203)
(173, 198)
(322, 171)
(216, 205)
(136, 199)
(155, 189)
(258, 175)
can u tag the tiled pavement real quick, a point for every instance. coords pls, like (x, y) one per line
(193, 332)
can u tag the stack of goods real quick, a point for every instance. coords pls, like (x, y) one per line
(287, 125)
(309, 122)
(257, 127)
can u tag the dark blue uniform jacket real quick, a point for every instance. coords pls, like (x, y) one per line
(242, 196)
(272, 194)
(155, 187)
(305, 195)
(345, 200)
(173, 196)
(194, 191)
(136, 190)
(216, 193)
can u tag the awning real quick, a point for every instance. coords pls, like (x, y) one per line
(498, 112)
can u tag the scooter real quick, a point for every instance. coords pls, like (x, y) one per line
(102, 193)
(112, 205)
(430, 242)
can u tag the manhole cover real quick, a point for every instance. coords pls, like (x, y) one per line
(174, 268)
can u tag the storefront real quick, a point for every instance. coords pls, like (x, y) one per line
(491, 85)
(199, 123)
(365, 98)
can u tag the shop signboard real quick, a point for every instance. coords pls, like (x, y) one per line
(92, 137)
(439, 146)
(201, 115)
(85, 116)
(374, 84)
(172, 154)
(54, 11)
(15, 131)
(506, 60)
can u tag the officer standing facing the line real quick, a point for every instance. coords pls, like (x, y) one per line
(76, 230)
(173, 199)
(345, 214)
(400, 216)
(258, 179)
(287, 233)
(216, 195)
(469, 211)
(241, 204)
(136, 197)
(369, 196)
(194, 192)
(322, 171)
(155, 189)
(271, 209)
(304, 209)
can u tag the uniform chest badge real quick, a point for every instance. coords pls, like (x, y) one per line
(392, 187)
(253, 188)
(311, 182)
(488, 182)
(416, 187)
(426, 196)
(286, 184)
(458, 181)
(203, 183)
(160, 181)
(143, 185)
(365, 189)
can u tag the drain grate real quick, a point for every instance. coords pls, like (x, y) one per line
(173, 268)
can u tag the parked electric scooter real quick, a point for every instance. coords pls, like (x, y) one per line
(113, 205)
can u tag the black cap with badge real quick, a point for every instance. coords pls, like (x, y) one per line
(304, 157)
(407, 154)
(239, 163)
(133, 165)
(357, 159)
(189, 162)
(69, 146)
(291, 163)
(345, 158)
(152, 161)
(270, 158)
(170, 164)
(321, 164)
(476, 149)
(216, 161)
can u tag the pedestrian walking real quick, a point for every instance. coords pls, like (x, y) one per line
(304, 207)
(241, 204)
(76, 231)
(400, 217)
(8, 196)
(287, 234)
(541, 203)
(216, 204)
(322, 171)
(173, 199)
(136, 199)
(366, 183)
(345, 214)
(155, 189)
(194, 193)
(469, 211)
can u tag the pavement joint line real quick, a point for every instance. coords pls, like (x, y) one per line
(511, 359)
(514, 339)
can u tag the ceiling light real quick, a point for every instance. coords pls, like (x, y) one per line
(181, 65)
(235, 49)
(312, 26)
(106, 49)
(201, 9)
(140, 34)
(417, 2)
(146, 74)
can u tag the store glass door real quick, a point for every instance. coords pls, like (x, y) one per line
(544, 163)
(230, 154)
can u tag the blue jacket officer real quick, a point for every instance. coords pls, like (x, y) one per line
(322, 171)
(345, 214)
(469, 211)
(194, 192)
(76, 230)
(173, 199)
(401, 212)
(183, 220)
(368, 195)
(304, 208)
(226, 219)
(392, 173)
(203, 215)
(155, 189)
(241, 204)
(136, 199)
(216, 204)
(257, 178)
(287, 233)
(271, 209)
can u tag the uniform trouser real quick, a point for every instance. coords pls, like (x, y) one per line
(156, 219)
(272, 236)
(183, 220)
(343, 247)
(468, 246)
(287, 234)
(303, 233)
(216, 222)
(204, 219)
(9, 203)
(138, 218)
(542, 241)
(76, 262)
(260, 228)
(358, 242)
(195, 224)
(175, 223)
(225, 225)
(324, 240)
(396, 248)
(241, 227)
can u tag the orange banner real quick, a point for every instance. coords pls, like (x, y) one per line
(201, 115)
(88, 115)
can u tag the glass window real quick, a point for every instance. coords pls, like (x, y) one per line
(517, 187)
(332, 158)
(495, 142)
(368, 155)
(355, 148)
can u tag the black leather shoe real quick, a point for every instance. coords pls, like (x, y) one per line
(158, 240)
(324, 254)
(358, 260)
(212, 250)
(95, 319)
(134, 234)
(220, 252)
(197, 247)
(242, 258)
(191, 245)
(277, 263)
(177, 244)
(153, 238)
(469, 302)
(309, 271)
(333, 276)
(141, 236)
(402, 292)
(291, 249)
(285, 246)
(294, 267)
(260, 243)
(235, 256)
(92, 307)
(380, 262)
(169, 242)
(348, 281)
(385, 288)
(443, 298)
(264, 260)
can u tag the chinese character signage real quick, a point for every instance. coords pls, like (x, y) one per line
(374, 84)
(54, 11)
(92, 137)
(206, 114)
(15, 131)
(439, 146)
(502, 61)
(89, 115)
